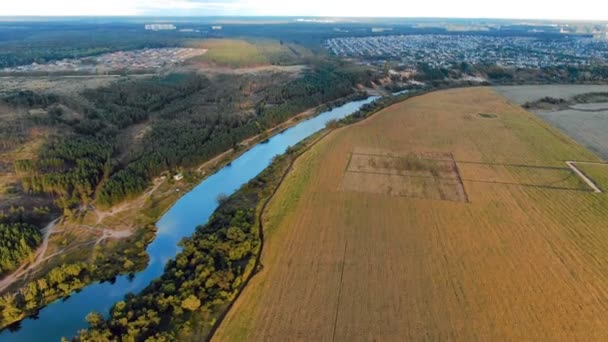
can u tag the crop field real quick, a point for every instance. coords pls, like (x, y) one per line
(423, 176)
(515, 249)
(598, 173)
(241, 53)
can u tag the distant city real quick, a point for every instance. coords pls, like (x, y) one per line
(444, 50)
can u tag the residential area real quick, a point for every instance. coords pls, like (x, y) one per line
(144, 59)
(444, 50)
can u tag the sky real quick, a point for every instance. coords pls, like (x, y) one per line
(512, 9)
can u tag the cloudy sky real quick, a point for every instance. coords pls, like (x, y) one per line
(525, 9)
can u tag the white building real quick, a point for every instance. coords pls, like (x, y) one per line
(160, 27)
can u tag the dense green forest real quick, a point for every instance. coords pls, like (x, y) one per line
(18, 242)
(69, 168)
(175, 142)
(190, 120)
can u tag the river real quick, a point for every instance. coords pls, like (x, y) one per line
(67, 317)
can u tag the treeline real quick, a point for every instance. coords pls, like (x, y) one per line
(18, 242)
(556, 74)
(373, 107)
(204, 277)
(325, 82)
(59, 282)
(510, 75)
(44, 42)
(28, 98)
(548, 102)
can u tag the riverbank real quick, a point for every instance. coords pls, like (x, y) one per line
(154, 204)
(202, 295)
(234, 236)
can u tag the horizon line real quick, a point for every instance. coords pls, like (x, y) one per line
(177, 16)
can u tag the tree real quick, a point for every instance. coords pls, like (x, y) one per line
(95, 320)
(191, 303)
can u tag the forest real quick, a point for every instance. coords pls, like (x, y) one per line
(190, 119)
(18, 241)
(198, 284)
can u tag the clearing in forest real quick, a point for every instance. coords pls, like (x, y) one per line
(239, 53)
(517, 252)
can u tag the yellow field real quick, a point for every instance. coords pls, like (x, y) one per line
(241, 53)
(524, 257)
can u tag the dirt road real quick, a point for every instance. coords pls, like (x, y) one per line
(24, 268)
(572, 165)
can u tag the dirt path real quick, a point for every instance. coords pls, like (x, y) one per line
(572, 165)
(102, 215)
(109, 233)
(40, 257)
(25, 268)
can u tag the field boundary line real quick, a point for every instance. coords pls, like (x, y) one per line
(540, 186)
(400, 175)
(582, 175)
(477, 162)
(333, 336)
(350, 158)
(464, 189)
(549, 187)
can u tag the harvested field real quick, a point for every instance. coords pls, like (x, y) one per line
(589, 128)
(586, 123)
(524, 259)
(530, 93)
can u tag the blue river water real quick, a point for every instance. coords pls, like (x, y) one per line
(65, 318)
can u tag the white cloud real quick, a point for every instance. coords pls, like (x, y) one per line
(550, 9)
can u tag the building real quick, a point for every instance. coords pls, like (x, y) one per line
(178, 177)
(160, 27)
(381, 29)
